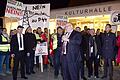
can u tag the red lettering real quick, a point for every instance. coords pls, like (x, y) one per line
(13, 11)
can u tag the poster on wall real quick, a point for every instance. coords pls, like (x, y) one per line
(114, 28)
(61, 20)
(13, 9)
(41, 49)
(115, 17)
(38, 15)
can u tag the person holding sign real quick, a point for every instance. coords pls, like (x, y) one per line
(71, 53)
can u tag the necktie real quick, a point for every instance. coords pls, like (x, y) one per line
(20, 42)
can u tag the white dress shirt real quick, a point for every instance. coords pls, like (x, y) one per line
(18, 36)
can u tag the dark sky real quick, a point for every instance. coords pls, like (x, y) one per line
(54, 3)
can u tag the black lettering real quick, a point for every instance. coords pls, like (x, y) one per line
(90, 10)
(73, 12)
(109, 8)
(70, 12)
(34, 20)
(66, 13)
(104, 9)
(100, 10)
(39, 19)
(36, 7)
(81, 11)
(77, 11)
(42, 19)
(43, 6)
(95, 10)
(86, 10)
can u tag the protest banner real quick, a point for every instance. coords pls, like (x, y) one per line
(38, 15)
(14, 9)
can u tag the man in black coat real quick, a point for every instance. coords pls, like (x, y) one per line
(108, 50)
(17, 48)
(93, 55)
(71, 55)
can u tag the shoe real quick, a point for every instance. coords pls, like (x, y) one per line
(8, 72)
(96, 77)
(55, 77)
(103, 77)
(24, 77)
(33, 72)
(28, 73)
(84, 78)
(111, 78)
(2, 74)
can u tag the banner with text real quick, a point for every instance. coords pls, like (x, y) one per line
(38, 14)
(13, 9)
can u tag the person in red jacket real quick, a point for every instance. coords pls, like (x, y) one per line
(44, 37)
(118, 44)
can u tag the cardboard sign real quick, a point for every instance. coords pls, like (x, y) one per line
(13, 9)
(41, 49)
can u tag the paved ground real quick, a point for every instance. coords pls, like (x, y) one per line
(48, 75)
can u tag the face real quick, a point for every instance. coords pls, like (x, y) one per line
(78, 29)
(20, 30)
(39, 30)
(15, 31)
(29, 30)
(69, 27)
(92, 32)
(85, 28)
(107, 28)
(46, 30)
(60, 31)
(4, 30)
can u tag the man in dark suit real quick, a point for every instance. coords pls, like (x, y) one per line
(94, 49)
(17, 48)
(71, 55)
(108, 51)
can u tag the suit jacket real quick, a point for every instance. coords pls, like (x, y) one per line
(14, 46)
(98, 45)
(73, 52)
(30, 42)
(108, 45)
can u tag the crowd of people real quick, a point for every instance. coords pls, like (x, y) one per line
(69, 51)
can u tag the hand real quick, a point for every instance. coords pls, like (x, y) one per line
(64, 38)
(98, 57)
(12, 55)
(28, 54)
(38, 42)
(34, 48)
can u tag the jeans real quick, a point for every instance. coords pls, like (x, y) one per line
(57, 61)
(4, 58)
(30, 62)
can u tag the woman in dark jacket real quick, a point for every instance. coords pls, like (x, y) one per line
(30, 44)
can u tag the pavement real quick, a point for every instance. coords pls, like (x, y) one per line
(49, 75)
